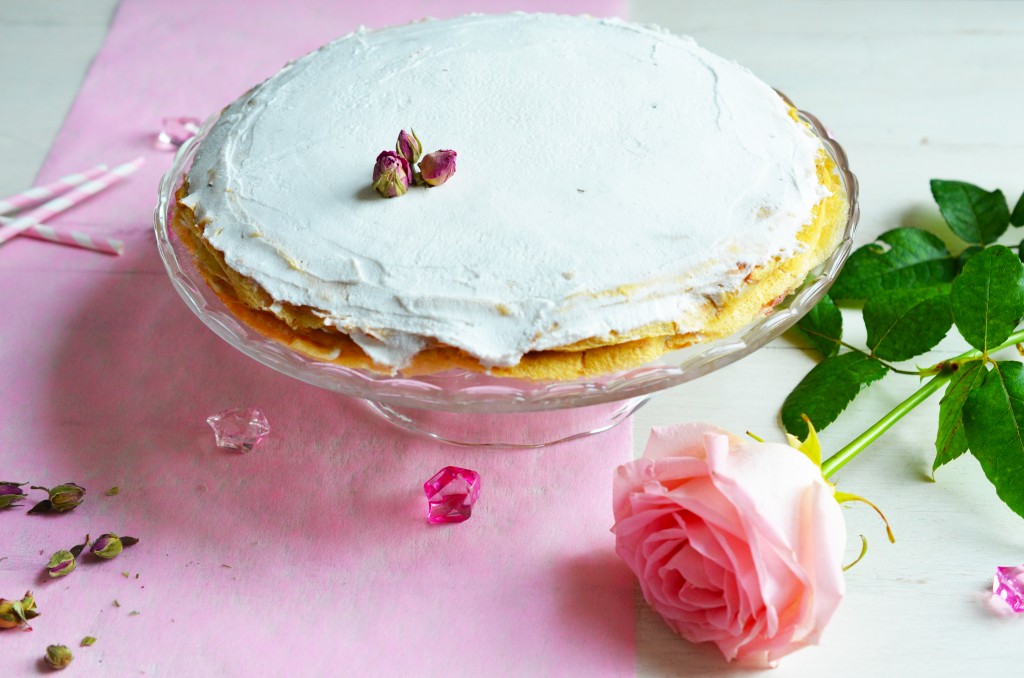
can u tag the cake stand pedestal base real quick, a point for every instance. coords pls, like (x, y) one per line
(516, 429)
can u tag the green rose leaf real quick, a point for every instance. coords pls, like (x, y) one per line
(1017, 216)
(988, 297)
(827, 389)
(823, 326)
(951, 441)
(901, 258)
(902, 324)
(993, 418)
(965, 256)
(977, 216)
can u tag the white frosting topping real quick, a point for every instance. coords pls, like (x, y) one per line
(609, 176)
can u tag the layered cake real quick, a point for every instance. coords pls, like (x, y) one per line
(620, 193)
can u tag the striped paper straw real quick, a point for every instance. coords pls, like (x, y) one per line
(38, 194)
(72, 238)
(69, 199)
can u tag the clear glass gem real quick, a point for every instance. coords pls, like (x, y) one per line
(176, 131)
(242, 428)
(1008, 585)
(451, 494)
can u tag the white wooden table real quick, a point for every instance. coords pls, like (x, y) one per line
(913, 90)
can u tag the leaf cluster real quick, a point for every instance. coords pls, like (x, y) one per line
(912, 290)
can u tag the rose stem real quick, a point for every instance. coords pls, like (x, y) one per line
(843, 456)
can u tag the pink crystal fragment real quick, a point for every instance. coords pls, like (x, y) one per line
(242, 428)
(175, 131)
(1008, 585)
(451, 494)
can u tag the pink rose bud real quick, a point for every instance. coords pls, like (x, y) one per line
(437, 167)
(391, 174)
(409, 146)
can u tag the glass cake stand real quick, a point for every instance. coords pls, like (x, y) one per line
(470, 408)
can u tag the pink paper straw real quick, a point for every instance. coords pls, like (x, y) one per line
(69, 199)
(72, 238)
(38, 194)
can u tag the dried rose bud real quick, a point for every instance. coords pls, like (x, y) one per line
(58, 656)
(110, 545)
(15, 613)
(408, 146)
(391, 174)
(437, 167)
(8, 617)
(107, 546)
(62, 563)
(62, 498)
(10, 493)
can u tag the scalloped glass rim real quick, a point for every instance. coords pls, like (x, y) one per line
(464, 391)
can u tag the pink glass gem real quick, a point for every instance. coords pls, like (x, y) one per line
(241, 429)
(1009, 585)
(451, 494)
(175, 131)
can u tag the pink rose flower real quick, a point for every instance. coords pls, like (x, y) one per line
(734, 542)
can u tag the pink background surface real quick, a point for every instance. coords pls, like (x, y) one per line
(311, 555)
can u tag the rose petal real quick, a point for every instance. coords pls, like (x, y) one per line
(638, 475)
(699, 598)
(822, 543)
(820, 551)
(690, 565)
(701, 497)
(686, 440)
(765, 481)
(742, 594)
(714, 572)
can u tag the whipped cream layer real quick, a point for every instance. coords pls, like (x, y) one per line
(610, 176)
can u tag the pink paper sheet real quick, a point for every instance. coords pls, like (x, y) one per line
(311, 555)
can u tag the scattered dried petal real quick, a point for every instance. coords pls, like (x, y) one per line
(77, 550)
(42, 507)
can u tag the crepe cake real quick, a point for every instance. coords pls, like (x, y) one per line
(621, 193)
